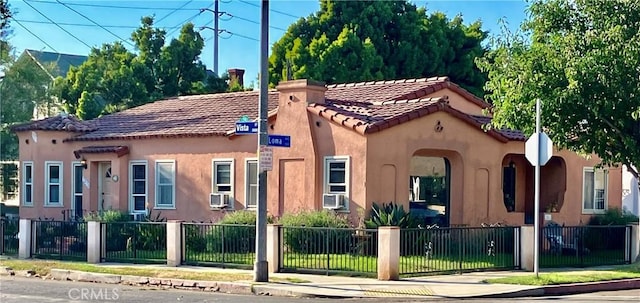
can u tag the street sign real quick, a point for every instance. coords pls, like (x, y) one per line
(266, 158)
(546, 149)
(246, 127)
(279, 141)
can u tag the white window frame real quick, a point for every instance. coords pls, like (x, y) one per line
(606, 190)
(347, 177)
(24, 184)
(73, 192)
(47, 183)
(172, 184)
(232, 178)
(247, 186)
(131, 186)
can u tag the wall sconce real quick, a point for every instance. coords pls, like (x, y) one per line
(83, 163)
(512, 164)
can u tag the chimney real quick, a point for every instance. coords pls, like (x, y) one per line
(308, 91)
(238, 74)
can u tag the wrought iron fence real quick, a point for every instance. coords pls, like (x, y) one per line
(329, 250)
(582, 246)
(219, 245)
(59, 240)
(9, 233)
(460, 249)
(134, 242)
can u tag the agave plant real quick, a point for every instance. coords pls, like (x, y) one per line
(389, 215)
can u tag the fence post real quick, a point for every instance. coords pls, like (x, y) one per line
(24, 236)
(94, 242)
(527, 247)
(174, 242)
(273, 247)
(635, 243)
(388, 253)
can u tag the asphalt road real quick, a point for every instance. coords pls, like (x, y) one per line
(20, 290)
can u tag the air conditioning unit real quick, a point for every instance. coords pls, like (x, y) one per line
(137, 216)
(333, 201)
(219, 200)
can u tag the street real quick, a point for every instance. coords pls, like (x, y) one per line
(18, 290)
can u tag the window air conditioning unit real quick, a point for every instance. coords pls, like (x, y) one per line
(333, 201)
(219, 200)
(137, 217)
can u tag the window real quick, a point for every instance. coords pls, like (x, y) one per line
(222, 181)
(165, 184)
(138, 186)
(77, 189)
(594, 190)
(336, 180)
(27, 183)
(53, 191)
(251, 183)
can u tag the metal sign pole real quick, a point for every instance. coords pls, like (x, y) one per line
(536, 223)
(261, 266)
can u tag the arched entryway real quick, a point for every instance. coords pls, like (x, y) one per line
(430, 186)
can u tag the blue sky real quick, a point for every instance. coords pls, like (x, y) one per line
(238, 46)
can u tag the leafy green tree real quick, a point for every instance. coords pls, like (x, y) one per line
(581, 59)
(350, 41)
(114, 78)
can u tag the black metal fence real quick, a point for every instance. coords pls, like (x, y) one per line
(134, 242)
(461, 249)
(329, 250)
(583, 246)
(59, 240)
(9, 236)
(219, 245)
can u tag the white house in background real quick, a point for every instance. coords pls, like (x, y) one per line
(630, 193)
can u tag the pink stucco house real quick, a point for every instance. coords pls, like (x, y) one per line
(417, 142)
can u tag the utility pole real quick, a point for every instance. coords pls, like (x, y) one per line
(536, 208)
(216, 16)
(261, 266)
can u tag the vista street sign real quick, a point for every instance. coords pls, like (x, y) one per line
(279, 141)
(531, 149)
(246, 127)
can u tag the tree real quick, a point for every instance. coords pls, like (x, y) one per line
(351, 41)
(114, 78)
(580, 58)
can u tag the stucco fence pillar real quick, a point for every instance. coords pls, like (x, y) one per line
(635, 243)
(94, 242)
(388, 253)
(174, 243)
(527, 247)
(275, 247)
(25, 239)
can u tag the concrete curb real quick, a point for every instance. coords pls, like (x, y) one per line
(587, 287)
(212, 286)
(265, 290)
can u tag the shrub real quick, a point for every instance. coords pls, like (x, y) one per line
(107, 216)
(235, 233)
(390, 215)
(301, 236)
(613, 216)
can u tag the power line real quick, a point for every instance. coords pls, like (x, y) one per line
(172, 12)
(37, 37)
(179, 26)
(56, 24)
(273, 10)
(96, 23)
(252, 21)
(239, 35)
(81, 24)
(116, 6)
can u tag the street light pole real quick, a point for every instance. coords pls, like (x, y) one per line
(536, 215)
(261, 265)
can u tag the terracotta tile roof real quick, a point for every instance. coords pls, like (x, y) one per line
(511, 134)
(405, 89)
(194, 116)
(62, 122)
(118, 150)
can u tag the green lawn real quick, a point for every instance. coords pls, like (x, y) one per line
(137, 256)
(555, 278)
(422, 264)
(192, 257)
(594, 258)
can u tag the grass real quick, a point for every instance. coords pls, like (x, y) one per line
(556, 278)
(43, 268)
